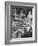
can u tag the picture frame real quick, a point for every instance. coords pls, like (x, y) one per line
(20, 8)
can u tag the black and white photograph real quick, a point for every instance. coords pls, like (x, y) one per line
(20, 22)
